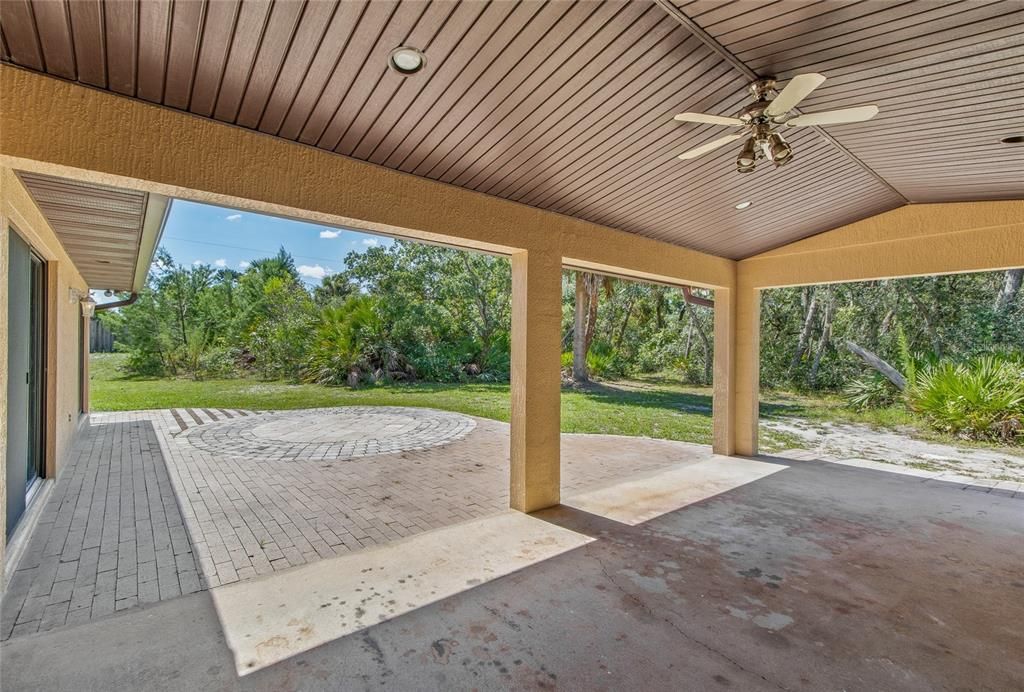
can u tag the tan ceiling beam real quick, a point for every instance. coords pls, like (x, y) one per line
(916, 240)
(59, 128)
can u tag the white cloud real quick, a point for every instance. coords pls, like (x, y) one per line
(313, 272)
(197, 263)
(329, 234)
(220, 263)
(243, 265)
(370, 242)
(233, 217)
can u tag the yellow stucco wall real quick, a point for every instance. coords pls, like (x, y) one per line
(17, 210)
(916, 240)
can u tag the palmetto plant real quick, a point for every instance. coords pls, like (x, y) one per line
(870, 391)
(981, 399)
(346, 340)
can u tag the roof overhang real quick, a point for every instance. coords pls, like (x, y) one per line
(109, 233)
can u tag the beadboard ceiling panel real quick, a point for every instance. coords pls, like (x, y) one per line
(945, 74)
(568, 106)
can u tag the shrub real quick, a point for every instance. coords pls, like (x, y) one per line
(604, 360)
(144, 363)
(872, 391)
(345, 343)
(980, 399)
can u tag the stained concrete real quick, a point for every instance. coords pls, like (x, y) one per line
(818, 577)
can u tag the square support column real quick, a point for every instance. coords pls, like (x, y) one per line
(723, 424)
(536, 380)
(737, 370)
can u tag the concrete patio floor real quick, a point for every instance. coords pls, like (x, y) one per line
(156, 504)
(793, 575)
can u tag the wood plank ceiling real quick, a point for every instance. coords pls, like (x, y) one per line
(99, 227)
(568, 106)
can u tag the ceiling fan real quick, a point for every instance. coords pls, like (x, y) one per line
(771, 108)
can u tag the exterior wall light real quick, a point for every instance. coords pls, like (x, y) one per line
(84, 299)
(88, 306)
(406, 61)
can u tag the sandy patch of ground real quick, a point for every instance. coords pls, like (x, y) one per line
(836, 441)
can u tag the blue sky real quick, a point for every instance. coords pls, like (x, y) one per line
(203, 234)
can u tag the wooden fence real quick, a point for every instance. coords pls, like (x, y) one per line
(100, 338)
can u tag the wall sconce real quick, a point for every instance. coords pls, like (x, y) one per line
(88, 307)
(84, 299)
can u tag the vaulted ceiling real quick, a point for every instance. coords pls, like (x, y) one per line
(568, 106)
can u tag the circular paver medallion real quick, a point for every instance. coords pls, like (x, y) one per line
(329, 433)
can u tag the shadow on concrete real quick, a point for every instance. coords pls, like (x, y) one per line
(819, 577)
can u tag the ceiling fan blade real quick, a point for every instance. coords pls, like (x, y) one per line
(796, 91)
(708, 119)
(845, 115)
(710, 146)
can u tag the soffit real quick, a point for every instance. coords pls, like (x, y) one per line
(99, 227)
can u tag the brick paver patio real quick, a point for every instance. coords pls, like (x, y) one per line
(154, 504)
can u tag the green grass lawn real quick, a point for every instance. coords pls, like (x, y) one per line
(650, 408)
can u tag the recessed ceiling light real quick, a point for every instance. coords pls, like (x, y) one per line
(405, 60)
(743, 205)
(1013, 139)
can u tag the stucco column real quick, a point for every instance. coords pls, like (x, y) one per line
(723, 422)
(536, 379)
(737, 369)
(747, 368)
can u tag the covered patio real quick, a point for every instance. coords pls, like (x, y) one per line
(816, 576)
(157, 504)
(545, 133)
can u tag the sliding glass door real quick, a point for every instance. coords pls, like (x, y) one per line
(26, 363)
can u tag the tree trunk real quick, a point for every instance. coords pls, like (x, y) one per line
(593, 286)
(708, 357)
(579, 331)
(625, 323)
(826, 337)
(689, 338)
(1011, 286)
(659, 307)
(888, 371)
(805, 333)
(929, 328)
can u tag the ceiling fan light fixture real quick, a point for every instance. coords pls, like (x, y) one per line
(778, 149)
(748, 155)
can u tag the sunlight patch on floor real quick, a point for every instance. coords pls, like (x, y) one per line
(270, 619)
(637, 500)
